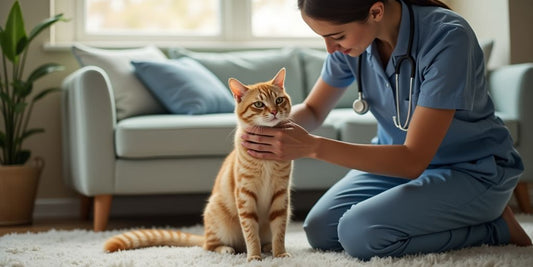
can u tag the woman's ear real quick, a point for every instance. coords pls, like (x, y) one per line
(376, 11)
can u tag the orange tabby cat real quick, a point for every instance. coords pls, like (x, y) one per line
(249, 206)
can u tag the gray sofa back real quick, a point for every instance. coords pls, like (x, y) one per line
(251, 66)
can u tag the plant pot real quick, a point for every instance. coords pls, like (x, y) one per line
(18, 187)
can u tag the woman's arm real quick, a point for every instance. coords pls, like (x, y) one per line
(426, 131)
(313, 111)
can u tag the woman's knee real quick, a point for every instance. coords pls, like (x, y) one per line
(321, 231)
(360, 236)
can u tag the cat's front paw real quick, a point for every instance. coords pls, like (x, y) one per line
(283, 255)
(254, 258)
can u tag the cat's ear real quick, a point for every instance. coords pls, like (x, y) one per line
(279, 79)
(237, 88)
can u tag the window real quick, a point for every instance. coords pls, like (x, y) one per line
(260, 23)
(152, 17)
(279, 18)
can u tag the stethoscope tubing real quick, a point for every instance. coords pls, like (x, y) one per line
(361, 106)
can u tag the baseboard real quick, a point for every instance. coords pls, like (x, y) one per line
(56, 208)
(162, 205)
(150, 205)
(124, 206)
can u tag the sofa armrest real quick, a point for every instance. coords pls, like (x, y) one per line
(88, 123)
(511, 88)
(512, 92)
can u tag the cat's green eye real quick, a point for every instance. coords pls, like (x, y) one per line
(259, 104)
(279, 100)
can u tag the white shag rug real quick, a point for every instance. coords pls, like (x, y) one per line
(84, 248)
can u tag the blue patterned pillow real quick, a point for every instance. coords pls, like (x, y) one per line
(184, 86)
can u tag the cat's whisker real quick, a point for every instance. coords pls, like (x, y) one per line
(230, 135)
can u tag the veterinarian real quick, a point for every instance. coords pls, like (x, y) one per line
(442, 168)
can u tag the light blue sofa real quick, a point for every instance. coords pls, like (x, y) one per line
(111, 151)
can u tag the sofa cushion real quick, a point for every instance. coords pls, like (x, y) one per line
(252, 67)
(156, 136)
(175, 135)
(352, 127)
(362, 129)
(184, 86)
(131, 97)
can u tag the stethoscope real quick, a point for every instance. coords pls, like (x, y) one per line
(360, 105)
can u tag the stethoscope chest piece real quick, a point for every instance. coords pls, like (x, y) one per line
(360, 106)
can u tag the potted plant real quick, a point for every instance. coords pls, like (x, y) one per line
(18, 180)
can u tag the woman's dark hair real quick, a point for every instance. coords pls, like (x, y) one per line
(345, 11)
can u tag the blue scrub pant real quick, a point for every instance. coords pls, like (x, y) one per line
(370, 215)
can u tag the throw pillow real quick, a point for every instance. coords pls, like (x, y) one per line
(184, 86)
(131, 97)
(486, 47)
(252, 66)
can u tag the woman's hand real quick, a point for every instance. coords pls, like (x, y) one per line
(287, 142)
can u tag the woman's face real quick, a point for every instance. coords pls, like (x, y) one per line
(350, 38)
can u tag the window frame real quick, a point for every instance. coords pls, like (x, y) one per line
(239, 36)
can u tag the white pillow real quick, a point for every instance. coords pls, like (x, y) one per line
(131, 96)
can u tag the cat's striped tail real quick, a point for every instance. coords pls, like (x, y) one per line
(152, 237)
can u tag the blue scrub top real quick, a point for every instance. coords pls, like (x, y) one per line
(449, 74)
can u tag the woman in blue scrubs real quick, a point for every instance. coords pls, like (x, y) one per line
(439, 175)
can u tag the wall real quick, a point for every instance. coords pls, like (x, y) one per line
(489, 19)
(521, 30)
(507, 22)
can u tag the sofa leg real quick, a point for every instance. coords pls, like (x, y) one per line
(521, 193)
(102, 206)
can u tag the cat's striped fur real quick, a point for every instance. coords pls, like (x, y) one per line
(249, 206)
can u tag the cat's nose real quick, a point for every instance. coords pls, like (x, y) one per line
(274, 112)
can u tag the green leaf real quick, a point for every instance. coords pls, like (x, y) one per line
(1, 37)
(13, 33)
(45, 24)
(14, 43)
(44, 93)
(29, 133)
(5, 98)
(22, 156)
(19, 107)
(21, 88)
(43, 70)
(22, 44)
